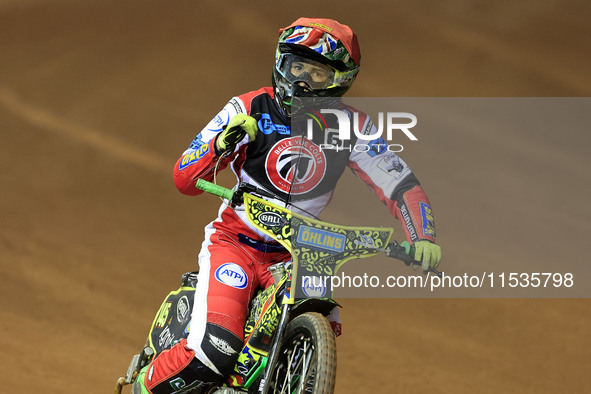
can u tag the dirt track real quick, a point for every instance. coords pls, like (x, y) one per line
(98, 99)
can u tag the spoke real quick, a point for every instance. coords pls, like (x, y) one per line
(288, 368)
(292, 373)
(307, 361)
(303, 375)
(277, 372)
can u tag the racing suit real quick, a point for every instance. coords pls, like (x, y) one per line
(234, 255)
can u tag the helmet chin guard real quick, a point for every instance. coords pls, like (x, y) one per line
(288, 95)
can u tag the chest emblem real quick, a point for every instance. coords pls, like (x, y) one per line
(296, 161)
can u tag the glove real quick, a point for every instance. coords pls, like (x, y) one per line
(428, 253)
(239, 126)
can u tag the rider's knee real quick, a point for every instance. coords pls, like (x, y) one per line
(219, 346)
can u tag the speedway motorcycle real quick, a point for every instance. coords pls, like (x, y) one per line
(289, 345)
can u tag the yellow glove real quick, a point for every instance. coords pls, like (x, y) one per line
(239, 126)
(428, 253)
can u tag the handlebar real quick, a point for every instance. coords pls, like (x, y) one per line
(214, 189)
(234, 197)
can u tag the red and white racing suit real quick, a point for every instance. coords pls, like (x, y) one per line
(234, 256)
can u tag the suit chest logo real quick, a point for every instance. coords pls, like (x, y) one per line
(296, 161)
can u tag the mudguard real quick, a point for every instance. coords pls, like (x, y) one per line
(321, 305)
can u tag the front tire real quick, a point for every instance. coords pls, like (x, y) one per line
(307, 360)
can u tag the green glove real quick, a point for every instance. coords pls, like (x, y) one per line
(428, 253)
(239, 126)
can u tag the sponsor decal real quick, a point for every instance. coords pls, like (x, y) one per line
(320, 25)
(268, 321)
(217, 124)
(393, 166)
(408, 222)
(193, 156)
(237, 107)
(295, 160)
(182, 309)
(180, 386)
(427, 219)
(314, 286)
(242, 369)
(222, 345)
(197, 142)
(377, 147)
(165, 338)
(267, 126)
(163, 314)
(177, 383)
(271, 219)
(366, 240)
(232, 275)
(321, 239)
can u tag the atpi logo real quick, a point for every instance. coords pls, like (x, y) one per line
(232, 275)
(295, 164)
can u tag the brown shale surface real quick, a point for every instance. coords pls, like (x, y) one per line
(99, 98)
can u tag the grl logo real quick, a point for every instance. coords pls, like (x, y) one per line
(295, 160)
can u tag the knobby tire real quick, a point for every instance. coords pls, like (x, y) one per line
(307, 359)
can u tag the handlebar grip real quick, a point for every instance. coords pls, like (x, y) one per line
(401, 253)
(214, 189)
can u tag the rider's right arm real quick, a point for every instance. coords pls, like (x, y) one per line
(198, 161)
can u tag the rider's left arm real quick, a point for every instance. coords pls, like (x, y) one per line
(396, 186)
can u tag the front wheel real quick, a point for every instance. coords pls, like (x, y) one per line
(307, 359)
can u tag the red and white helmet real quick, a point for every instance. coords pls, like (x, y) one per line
(315, 58)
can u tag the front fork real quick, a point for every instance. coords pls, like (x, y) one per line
(275, 348)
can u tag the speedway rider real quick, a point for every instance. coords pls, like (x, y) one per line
(315, 57)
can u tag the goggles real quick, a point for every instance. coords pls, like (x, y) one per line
(316, 75)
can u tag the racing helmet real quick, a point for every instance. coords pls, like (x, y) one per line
(315, 57)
